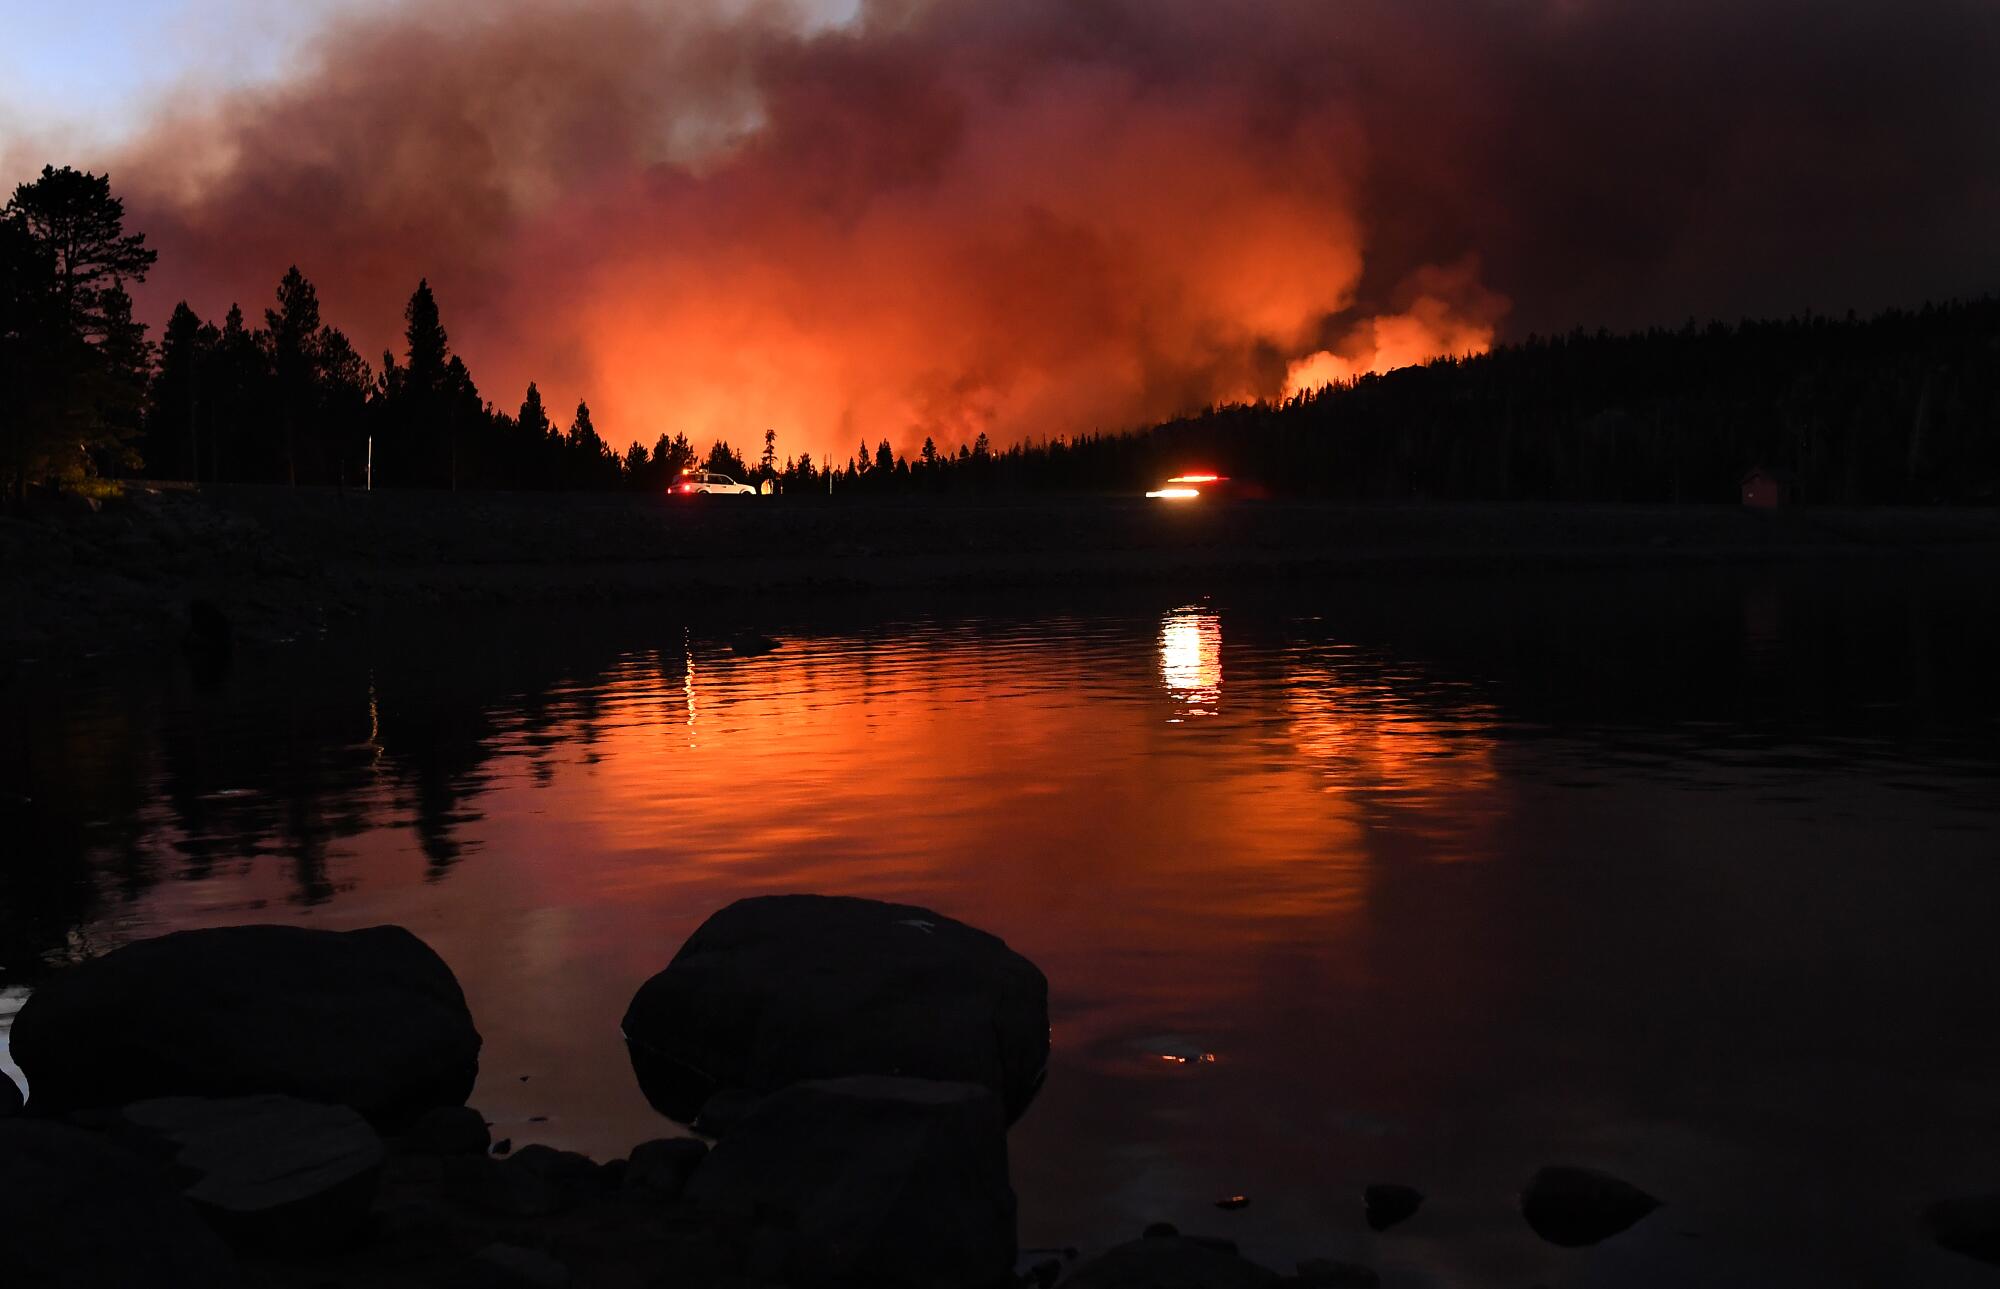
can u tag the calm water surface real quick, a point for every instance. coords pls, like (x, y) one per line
(1689, 877)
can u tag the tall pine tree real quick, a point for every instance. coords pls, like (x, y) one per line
(70, 260)
(293, 337)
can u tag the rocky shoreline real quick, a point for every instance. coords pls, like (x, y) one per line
(266, 1105)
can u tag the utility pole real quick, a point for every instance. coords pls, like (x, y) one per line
(370, 487)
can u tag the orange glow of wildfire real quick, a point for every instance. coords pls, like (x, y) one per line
(928, 229)
(1434, 325)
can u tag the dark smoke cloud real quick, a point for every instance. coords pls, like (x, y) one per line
(1040, 216)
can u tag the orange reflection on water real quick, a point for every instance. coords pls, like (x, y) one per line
(1421, 766)
(1191, 660)
(1042, 782)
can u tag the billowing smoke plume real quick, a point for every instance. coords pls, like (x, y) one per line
(1035, 217)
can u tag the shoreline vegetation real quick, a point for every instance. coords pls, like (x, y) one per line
(148, 565)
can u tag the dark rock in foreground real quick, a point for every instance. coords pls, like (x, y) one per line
(268, 1170)
(448, 1130)
(508, 1266)
(1389, 1204)
(488, 1186)
(663, 1167)
(1170, 1262)
(371, 1019)
(573, 1177)
(1326, 1273)
(10, 1097)
(536, 1181)
(80, 1213)
(1577, 1206)
(887, 1182)
(724, 1111)
(782, 989)
(1969, 1224)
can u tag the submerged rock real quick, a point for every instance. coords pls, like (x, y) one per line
(1968, 1224)
(1388, 1204)
(1170, 1262)
(781, 989)
(371, 1019)
(889, 1182)
(269, 1170)
(1577, 1206)
(81, 1213)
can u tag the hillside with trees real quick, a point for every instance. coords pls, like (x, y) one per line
(1901, 408)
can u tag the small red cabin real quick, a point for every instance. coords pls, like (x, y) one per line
(1766, 489)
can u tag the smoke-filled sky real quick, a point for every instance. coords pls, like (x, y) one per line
(1032, 217)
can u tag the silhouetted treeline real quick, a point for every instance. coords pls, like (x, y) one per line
(1900, 408)
(291, 402)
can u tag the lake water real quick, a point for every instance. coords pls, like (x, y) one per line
(1690, 876)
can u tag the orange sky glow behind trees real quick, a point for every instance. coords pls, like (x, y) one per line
(941, 217)
(928, 227)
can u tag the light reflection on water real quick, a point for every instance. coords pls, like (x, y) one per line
(1191, 660)
(1438, 916)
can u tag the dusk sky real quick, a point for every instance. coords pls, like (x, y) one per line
(1026, 218)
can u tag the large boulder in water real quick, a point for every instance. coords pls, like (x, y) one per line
(1573, 1207)
(780, 989)
(272, 1171)
(371, 1019)
(886, 1182)
(78, 1212)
